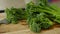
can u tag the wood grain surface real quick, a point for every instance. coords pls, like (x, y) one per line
(22, 28)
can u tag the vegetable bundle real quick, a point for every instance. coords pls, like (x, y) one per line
(39, 16)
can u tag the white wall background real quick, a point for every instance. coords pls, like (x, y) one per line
(9, 3)
(16, 3)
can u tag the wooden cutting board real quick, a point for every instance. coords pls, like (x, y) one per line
(22, 28)
(53, 31)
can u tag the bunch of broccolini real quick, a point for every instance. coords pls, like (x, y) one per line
(39, 16)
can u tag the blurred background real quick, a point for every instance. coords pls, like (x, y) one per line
(21, 3)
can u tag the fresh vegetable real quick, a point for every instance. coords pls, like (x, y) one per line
(14, 14)
(53, 13)
(44, 4)
(39, 16)
(45, 22)
(35, 25)
(38, 22)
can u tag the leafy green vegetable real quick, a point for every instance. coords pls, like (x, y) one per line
(14, 14)
(45, 22)
(39, 15)
(35, 25)
(53, 13)
(44, 4)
